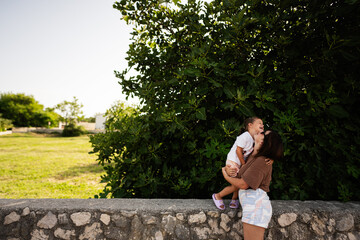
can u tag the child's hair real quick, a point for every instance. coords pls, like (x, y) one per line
(272, 146)
(247, 122)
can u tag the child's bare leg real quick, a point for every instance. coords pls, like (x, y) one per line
(234, 197)
(226, 191)
(235, 194)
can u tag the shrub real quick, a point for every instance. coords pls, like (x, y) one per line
(73, 130)
(204, 67)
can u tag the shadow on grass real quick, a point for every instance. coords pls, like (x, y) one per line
(80, 170)
(32, 134)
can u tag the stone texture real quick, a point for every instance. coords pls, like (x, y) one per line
(341, 236)
(12, 217)
(354, 236)
(150, 220)
(26, 211)
(64, 234)
(182, 232)
(91, 232)
(136, 229)
(128, 214)
(123, 219)
(180, 216)
(197, 218)
(318, 226)
(104, 218)
(296, 231)
(213, 214)
(331, 225)
(202, 233)
(235, 236)
(286, 219)
(115, 233)
(80, 218)
(48, 221)
(39, 235)
(169, 223)
(238, 227)
(63, 219)
(224, 222)
(158, 236)
(214, 225)
(232, 214)
(345, 223)
(305, 217)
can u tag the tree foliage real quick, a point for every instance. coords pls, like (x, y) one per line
(204, 67)
(24, 111)
(70, 111)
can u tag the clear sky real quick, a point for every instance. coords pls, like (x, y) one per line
(55, 50)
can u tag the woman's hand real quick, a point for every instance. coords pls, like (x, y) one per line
(269, 161)
(231, 171)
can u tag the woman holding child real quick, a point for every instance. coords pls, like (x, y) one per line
(253, 180)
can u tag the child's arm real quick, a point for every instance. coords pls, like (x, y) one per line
(239, 153)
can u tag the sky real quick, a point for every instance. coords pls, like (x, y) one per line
(55, 50)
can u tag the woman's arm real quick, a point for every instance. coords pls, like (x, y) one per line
(237, 182)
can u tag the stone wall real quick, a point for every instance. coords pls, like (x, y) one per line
(169, 219)
(48, 130)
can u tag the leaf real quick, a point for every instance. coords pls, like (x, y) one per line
(338, 111)
(229, 92)
(201, 113)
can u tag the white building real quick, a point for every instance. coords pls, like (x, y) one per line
(100, 120)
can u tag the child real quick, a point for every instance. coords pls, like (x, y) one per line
(236, 158)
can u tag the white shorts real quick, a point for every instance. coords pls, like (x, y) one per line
(233, 165)
(256, 207)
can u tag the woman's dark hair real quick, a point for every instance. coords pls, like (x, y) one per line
(272, 146)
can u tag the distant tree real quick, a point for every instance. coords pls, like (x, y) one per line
(25, 111)
(53, 116)
(89, 119)
(70, 111)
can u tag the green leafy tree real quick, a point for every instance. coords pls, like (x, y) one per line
(70, 111)
(204, 67)
(25, 111)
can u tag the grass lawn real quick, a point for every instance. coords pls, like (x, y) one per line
(45, 166)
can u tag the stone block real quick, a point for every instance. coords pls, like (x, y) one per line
(197, 218)
(64, 234)
(80, 218)
(48, 221)
(91, 232)
(286, 219)
(345, 223)
(105, 218)
(12, 217)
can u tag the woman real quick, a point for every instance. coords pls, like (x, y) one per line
(254, 181)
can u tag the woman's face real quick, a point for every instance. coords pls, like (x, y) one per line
(259, 139)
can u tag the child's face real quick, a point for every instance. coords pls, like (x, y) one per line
(257, 125)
